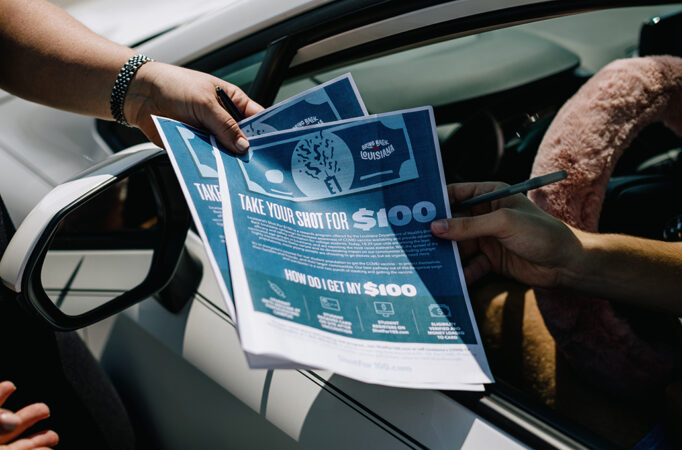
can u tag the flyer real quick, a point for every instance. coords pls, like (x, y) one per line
(333, 264)
(334, 100)
(191, 155)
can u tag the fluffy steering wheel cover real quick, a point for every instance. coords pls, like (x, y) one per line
(586, 138)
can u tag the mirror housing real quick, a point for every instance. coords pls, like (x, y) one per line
(21, 267)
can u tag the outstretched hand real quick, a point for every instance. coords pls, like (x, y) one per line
(510, 236)
(13, 424)
(188, 96)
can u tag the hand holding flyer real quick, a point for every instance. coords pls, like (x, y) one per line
(191, 154)
(326, 228)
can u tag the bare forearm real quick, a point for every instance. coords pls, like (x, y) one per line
(53, 59)
(625, 268)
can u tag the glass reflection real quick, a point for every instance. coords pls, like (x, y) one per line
(103, 248)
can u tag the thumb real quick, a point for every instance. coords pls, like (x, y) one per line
(496, 224)
(225, 129)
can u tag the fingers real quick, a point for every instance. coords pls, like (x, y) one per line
(13, 424)
(252, 107)
(474, 263)
(6, 389)
(39, 441)
(247, 106)
(225, 129)
(476, 268)
(8, 420)
(28, 416)
(467, 249)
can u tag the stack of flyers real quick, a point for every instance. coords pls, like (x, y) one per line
(319, 238)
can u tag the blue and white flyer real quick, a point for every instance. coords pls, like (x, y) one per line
(191, 155)
(332, 260)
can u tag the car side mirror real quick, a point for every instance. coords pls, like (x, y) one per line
(101, 242)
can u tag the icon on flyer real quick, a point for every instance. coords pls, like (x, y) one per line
(439, 310)
(384, 309)
(277, 290)
(330, 303)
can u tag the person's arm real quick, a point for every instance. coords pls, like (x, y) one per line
(51, 58)
(619, 267)
(514, 237)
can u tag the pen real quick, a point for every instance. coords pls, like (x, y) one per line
(229, 105)
(527, 185)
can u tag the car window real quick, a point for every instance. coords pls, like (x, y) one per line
(495, 91)
(454, 70)
(242, 72)
(494, 95)
(484, 63)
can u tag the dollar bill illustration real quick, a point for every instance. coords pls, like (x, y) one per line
(331, 159)
(191, 153)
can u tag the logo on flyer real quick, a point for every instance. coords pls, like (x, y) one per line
(331, 161)
(312, 120)
(376, 150)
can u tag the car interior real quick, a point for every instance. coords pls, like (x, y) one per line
(494, 95)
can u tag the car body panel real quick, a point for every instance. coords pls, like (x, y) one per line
(52, 147)
(114, 21)
(314, 408)
(177, 406)
(229, 24)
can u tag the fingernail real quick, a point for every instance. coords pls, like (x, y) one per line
(242, 144)
(439, 226)
(9, 421)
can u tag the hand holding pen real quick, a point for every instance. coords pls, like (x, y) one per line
(511, 236)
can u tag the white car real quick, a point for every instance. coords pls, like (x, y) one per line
(495, 71)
